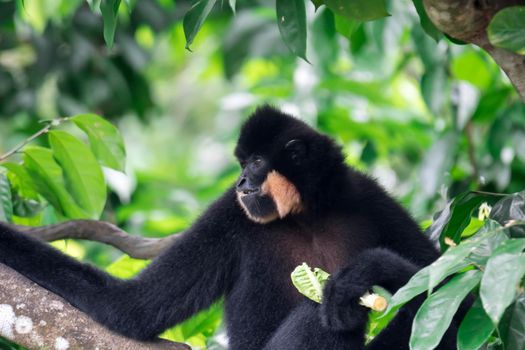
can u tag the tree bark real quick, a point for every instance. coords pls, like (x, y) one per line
(38, 319)
(467, 20)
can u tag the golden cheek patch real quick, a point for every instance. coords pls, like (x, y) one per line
(285, 195)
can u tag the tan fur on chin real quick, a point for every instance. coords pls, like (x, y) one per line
(284, 193)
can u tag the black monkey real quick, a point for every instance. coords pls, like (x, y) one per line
(295, 201)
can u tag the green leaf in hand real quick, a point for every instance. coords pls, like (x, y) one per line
(310, 283)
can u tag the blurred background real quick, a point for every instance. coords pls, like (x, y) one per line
(428, 119)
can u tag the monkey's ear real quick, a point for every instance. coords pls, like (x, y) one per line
(296, 150)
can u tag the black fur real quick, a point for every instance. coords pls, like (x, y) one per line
(349, 227)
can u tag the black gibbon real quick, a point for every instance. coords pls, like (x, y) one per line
(295, 201)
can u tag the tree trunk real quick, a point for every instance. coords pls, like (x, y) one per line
(38, 319)
(467, 20)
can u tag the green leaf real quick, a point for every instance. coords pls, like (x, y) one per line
(453, 257)
(309, 283)
(507, 29)
(436, 313)
(346, 26)
(83, 175)
(6, 203)
(233, 4)
(515, 337)
(500, 280)
(48, 179)
(510, 208)
(418, 284)
(109, 9)
(194, 19)
(104, 138)
(452, 220)
(426, 23)
(291, 20)
(475, 329)
(26, 202)
(361, 10)
(317, 4)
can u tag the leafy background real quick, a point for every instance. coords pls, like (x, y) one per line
(430, 119)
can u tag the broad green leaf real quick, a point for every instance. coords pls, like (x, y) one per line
(317, 4)
(493, 236)
(130, 4)
(436, 313)
(233, 4)
(500, 281)
(456, 216)
(21, 180)
(346, 26)
(82, 173)
(6, 203)
(511, 208)
(309, 283)
(475, 328)
(507, 29)
(291, 19)
(426, 23)
(48, 179)
(104, 138)
(361, 10)
(471, 66)
(454, 256)
(511, 246)
(109, 9)
(515, 337)
(417, 285)
(26, 202)
(194, 19)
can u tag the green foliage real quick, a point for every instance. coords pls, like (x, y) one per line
(195, 17)
(310, 283)
(438, 124)
(490, 261)
(507, 29)
(291, 18)
(67, 175)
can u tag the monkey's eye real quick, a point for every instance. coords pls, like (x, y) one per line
(242, 163)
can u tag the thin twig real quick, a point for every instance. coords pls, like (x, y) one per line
(103, 232)
(53, 123)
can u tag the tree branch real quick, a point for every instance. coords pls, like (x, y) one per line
(104, 232)
(467, 20)
(38, 319)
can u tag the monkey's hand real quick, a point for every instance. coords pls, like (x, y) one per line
(341, 309)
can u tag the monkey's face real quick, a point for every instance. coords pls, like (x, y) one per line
(263, 192)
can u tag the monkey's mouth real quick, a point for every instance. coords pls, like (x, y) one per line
(259, 207)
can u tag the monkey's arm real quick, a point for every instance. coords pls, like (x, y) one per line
(188, 277)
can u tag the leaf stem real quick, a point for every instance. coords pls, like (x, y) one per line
(44, 130)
